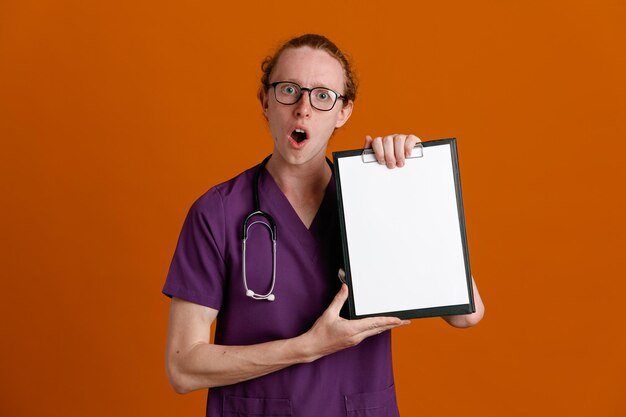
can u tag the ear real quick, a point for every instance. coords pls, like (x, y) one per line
(263, 100)
(344, 114)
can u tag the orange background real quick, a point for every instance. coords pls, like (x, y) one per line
(115, 116)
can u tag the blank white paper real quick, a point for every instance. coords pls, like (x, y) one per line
(403, 234)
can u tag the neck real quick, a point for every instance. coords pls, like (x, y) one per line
(311, 177)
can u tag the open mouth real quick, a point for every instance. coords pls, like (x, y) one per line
(299, 135)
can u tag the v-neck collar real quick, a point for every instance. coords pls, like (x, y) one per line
(274, 201)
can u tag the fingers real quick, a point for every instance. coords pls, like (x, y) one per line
(368, 142)
(384, 150)
(390, 156)
(398, 149)
(341, 274)
(411, 141)
(392, 150)
(377, 147)
(376, 325)
(335, 306)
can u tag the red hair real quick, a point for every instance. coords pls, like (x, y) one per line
(316, 42)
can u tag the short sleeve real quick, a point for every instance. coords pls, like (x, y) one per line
(197, 271)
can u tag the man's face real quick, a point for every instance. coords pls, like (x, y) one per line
(301, 132)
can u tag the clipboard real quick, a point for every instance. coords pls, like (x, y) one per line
(403, 234)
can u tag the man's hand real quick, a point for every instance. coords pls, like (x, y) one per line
(392, 150)
(332, 333)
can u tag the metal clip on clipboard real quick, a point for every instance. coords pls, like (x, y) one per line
(368, 154)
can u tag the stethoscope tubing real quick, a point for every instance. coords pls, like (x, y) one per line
(269, 296)
(271, 225)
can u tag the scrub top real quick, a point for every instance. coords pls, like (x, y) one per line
(207, 270)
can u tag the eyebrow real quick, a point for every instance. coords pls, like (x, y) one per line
(314, 85)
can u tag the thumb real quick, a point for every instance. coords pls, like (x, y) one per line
(335, 306)
(368, 142)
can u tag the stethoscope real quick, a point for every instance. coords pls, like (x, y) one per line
(271, 226)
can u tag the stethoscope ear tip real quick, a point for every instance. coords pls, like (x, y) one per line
(271, 297)
(250, 293)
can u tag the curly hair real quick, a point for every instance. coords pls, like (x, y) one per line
(316, 42)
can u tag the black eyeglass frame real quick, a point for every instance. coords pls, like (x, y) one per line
(302, 89)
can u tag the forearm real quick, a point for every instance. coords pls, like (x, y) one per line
(207, 365)
(193, 363)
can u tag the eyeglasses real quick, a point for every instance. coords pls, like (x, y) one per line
(321, 98)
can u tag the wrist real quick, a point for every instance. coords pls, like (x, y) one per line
(304, 345)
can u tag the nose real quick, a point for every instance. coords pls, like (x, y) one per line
(303, 106)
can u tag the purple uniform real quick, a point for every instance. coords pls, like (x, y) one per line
(207, 270)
